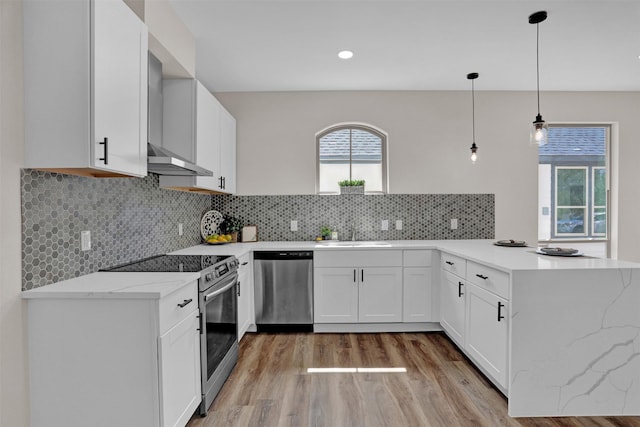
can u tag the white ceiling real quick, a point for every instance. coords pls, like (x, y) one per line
(292, 45)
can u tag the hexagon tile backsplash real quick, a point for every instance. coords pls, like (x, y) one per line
(423, 216)
(132, 218)
(129, 219)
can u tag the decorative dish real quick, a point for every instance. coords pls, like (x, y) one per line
(210, 223)
(216, 243)
(511, 243)
(559, 251)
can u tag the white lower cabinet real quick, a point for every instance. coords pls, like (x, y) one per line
(474, 313)
(417, 293)
(335, 295)
(121, 361)
(358, 286)
(452, 306)
(245, 295)
(486, 331)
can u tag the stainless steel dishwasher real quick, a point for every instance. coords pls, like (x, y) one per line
(283, 291)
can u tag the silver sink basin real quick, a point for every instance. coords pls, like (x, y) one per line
(353, 244)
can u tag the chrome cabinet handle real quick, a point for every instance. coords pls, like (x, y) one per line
(185, 302)
(460, 293)
(500, 316)
(482, 277)
(106, 150)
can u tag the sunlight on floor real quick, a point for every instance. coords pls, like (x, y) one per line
(354, 370)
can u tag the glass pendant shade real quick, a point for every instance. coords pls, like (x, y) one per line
(539, 132)
(474, 151)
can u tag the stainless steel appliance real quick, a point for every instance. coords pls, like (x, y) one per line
(283, 291)
(218, 312)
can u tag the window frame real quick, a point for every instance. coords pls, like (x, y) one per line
(362, 127)
(585, 207)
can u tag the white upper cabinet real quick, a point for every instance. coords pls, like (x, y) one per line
(85, 69)
(197, 127)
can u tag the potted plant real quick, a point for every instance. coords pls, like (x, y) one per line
(351, 186)
(325, 232)
(231, 225)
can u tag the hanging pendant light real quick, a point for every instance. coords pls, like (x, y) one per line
(539, 128)
(474, 147)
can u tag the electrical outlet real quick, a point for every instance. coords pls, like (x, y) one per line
(454, 223)
(294, 225)
(180, 231)
(398, 224)
(85, 240)
(385, 225)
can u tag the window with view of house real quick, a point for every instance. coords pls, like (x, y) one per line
(572, 174)
(351, 152)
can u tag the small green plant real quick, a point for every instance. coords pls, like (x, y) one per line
(351, 183)
(231, 224)
(325, 231)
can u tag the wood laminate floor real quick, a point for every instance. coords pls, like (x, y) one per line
(270, 386)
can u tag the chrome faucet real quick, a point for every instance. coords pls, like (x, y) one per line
(353, 230)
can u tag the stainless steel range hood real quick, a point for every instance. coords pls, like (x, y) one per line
(159, 159)
(164, 162)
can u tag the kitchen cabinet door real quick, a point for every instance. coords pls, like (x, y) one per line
(335, 295)
(119, 88)
(417, 291)
(380, 296)
(227, 181)
(85, 86)
(453, 291)
(179, 364)
(245, 295)
(207, 143)
(487, 331)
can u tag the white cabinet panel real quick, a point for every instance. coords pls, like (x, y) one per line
(452, 306)
(179, 358)
(335, 295)
(380, 297)
(486, 331)
(245, 295)
(417, 294)
(227, 152)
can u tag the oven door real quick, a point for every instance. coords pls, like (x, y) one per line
(219, 336)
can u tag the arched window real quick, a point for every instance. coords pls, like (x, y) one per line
(351, 151)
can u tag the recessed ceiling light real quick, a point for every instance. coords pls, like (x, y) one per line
(345, 54)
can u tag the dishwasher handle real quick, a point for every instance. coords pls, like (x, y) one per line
(282, 255)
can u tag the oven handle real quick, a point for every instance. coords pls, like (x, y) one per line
(219, 291)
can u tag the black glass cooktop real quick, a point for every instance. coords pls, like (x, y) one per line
(171, 263)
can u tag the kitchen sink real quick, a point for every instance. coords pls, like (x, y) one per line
(353, 244)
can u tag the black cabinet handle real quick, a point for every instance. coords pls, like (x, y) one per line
(500, 316)
(224, 183)
(460, 293)
(220, 184)
(482, 277)
(245, 263)
(448, 262)
(185, 302)
(105, 159)
(354, 275)
(238, 288)
(362, 275)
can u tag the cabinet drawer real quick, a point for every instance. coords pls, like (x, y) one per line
(488, 278)
(416, 258)
(454, 264)
(358, 258)
(171, 313)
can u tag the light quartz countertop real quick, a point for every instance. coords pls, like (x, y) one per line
(115, 285)
(158, 285)
(483, 251)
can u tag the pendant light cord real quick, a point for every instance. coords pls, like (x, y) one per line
(473, 111)
(538, 64)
